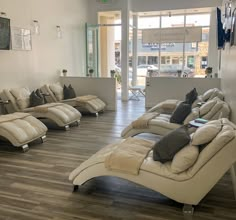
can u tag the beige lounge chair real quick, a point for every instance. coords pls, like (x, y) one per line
(62, 114)
(88, 103)
(21, 129)
(185, 184)
(169, 105)
(160, 123)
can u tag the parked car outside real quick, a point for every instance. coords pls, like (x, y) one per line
(173, 69)
(143, 70)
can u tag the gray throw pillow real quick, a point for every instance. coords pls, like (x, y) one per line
(35, 100)
(38, 93)
(180, 113)
(68, 92)
(72, 91)
(165, 149)
(191, 96)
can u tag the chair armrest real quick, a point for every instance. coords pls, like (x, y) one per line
(45, 94)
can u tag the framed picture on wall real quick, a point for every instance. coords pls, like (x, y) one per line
(21, 39)
(5, 37)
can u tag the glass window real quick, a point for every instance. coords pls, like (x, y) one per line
(178, 45)
(141, 60)
(173, 21)
(152, 59)
(148, 22)
(176, 60)
(205, 34)
(194, 45)
(165, 60)
(203, 62)
(198, 20)
(190, 62)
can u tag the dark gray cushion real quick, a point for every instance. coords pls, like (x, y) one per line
(68, 92)
(165, 149)
(35, 100)
(72, 91)
(39, 94)
(191, 96)
(180, 113)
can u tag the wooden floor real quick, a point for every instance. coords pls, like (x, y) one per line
(35, 186)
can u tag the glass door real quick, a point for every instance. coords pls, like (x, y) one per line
(92, 54)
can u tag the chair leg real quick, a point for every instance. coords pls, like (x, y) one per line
(43, 138)
(67, 127)
(134, 95)
(97, 114)
(188, 210)
(77, 123)
(233, 176)
(76, 188)
(25, 148)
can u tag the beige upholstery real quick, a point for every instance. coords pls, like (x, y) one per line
(184, 159)
(21, 128)
(62, 114)
(212, 163)
(168, 106)
(55, 94)
(161, 124)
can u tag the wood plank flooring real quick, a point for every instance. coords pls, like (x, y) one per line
(35, 186)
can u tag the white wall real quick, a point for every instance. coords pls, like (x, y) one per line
(104, 88)
(159, 89)
(49, 54)
(228, 74)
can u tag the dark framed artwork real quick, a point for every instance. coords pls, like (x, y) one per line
(5, 35)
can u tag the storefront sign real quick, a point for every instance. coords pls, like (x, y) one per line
(172, 35)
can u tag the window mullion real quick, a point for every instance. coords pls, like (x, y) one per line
(183, 65)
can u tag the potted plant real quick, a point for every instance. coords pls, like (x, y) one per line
(179, 72)
(64, 72)
(91, 72)
(118, 77)
(208, 72)
(112, 73)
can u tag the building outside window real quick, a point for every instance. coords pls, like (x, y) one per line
(142, 60)
(173, 41)
(153, 60)
(203, 62)
(165, 60)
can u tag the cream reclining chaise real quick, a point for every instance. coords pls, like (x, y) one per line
(160, 124)
(88, 103)
(185, 179)
(62, 114)
(169, 105)
(21, 129)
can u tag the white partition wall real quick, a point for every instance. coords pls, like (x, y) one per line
(104, 88)
(159, 89)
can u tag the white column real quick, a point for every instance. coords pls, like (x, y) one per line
(135, 50)
(125, 54)
(212, 47)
